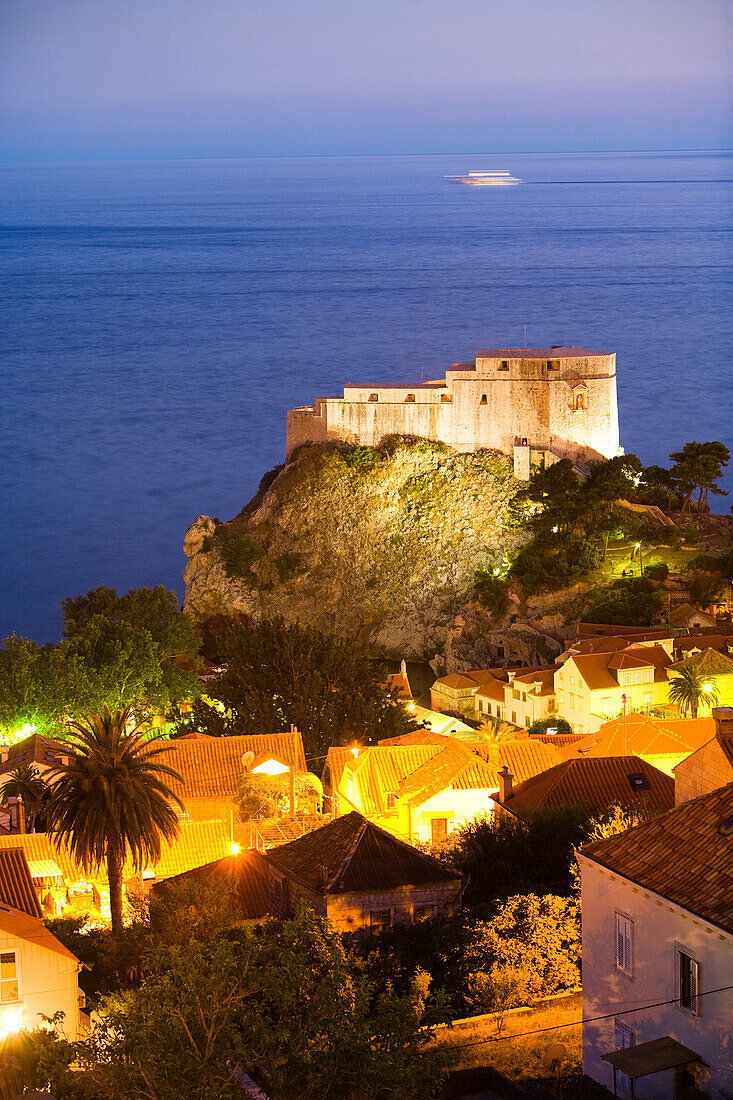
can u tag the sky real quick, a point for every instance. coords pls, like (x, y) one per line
(108, 79)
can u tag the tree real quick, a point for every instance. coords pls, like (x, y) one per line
(494, 730)
(690, 690)
(542, 725)
(698, 466)
(633, 601)
(110, 801)
(706, 588)
(139, 646)
(39, 686)
(277, 674)
(281, 1004)
(27, 783)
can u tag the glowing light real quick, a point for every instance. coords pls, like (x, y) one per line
(11, 1020)
(24, 731)
(271, 767)
(355, 752)
(235, 848)
(638, 545)
(410, 706)
(497, 571)
(708, 687)
(555, 530)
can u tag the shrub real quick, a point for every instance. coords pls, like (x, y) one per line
(239, 554)
(656, 571)
(288, 566)
(360, 458)
(706, 588)
(627, 602)
(492, 593)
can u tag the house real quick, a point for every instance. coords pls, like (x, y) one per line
(662, 742)
(417, 792)
(595, 785)
(210, 767)
(34, 749)
(446, 724)
(362, 878)
(687, 617)
(687, 645)
(710, 766)
(38, 975)
(593, 687)
(529, 696)
(657, 945)
(713, 667)
(456, 692)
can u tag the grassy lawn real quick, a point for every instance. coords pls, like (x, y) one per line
(512, 1051)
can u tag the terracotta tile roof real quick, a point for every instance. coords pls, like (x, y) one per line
(32, 750)
(336, 761)
(685, 856)
(246, 872)
(595, 784)
(525, 758)
(197, 843)
(44, 846)
(211, 766)
(454, 766)
(700, 642)
(707, 663)
(644, 735)
(16, 884)
(399, 684)
(587, 630)
(593, 668)
(560, 740)
(725, 740)
(544, 676)
(623, 659)
(685, 611)
(417, 737)
(32, 930)
(493, 689)
(379, 771)
(357, 855)
(446, 724)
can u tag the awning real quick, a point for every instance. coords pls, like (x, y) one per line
(652, 1057)
(44, 868)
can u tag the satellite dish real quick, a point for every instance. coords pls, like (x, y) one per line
(248, 759)
(554, 1057)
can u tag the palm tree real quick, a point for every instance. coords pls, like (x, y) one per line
(27, 783)
(494, 730)
(690, 690)
(110, 801)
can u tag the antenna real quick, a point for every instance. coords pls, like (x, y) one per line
(525, 338)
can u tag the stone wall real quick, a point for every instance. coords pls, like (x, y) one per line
(569, 409)
(702, 772)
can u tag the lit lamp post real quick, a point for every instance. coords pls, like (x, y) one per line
(641, 562)
(624, 703)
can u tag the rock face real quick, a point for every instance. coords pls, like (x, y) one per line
(384, 543)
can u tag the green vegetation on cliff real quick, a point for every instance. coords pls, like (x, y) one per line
(383, 543)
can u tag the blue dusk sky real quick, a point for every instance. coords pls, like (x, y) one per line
(202, 78)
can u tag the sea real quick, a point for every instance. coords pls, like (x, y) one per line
(157, 320)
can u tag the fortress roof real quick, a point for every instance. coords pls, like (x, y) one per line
(538, 353)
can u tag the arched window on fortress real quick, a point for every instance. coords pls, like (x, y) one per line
(446, 398)
(374, 397)
(409, 397)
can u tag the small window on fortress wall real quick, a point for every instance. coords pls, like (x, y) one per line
(552, 366)
(504, 365)
(409, 397)
(483, 399)
(374, 397)
(446, 398)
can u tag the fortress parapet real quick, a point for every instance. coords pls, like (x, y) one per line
(560, 401)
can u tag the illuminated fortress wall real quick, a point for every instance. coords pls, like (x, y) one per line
(559, 400)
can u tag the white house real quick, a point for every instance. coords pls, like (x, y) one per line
(658, 954)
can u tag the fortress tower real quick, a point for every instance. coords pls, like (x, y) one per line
(559, 402)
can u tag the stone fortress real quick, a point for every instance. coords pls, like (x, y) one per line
(530, 403)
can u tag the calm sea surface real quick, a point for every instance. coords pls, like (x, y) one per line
(159, 318)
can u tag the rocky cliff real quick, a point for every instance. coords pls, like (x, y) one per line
(384, 543)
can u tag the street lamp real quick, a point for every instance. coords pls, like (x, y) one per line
(641, 562)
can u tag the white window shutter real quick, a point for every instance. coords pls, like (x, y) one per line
(694, 973)
(627, 946)
(619, 943)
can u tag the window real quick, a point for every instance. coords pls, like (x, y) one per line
(571, 700)
(379, 920)
(391, 800)
(8, 977)
(423, 912)
(514, 717)
(561, 675)
(688, 970)
(374, 397)
(561, 695)
(639, 782)
(438, 829)
(647, 701)
(409, 397)
(625, 1038)
(606, 705)
(572, 679)
(446, 398)
(624, 943)
(504, 365)
(483, 400)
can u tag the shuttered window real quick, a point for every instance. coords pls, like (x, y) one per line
(8, 977)
(624, 943)
(689, 982)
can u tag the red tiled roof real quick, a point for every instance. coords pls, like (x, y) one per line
(708, 663)
(524, 759)
(211, 766)
(357, 856)
(44, 846)
(16, 884)
(595, 784)
(544, 676)
(685, 856)
(336, 761)
(454, 766)
(644, 735)
(493, 689)
(20, 924)
(197, 843)
(586, 630)
(34, 750)
(703, 641)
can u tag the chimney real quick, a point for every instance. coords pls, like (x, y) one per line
(723, 719)
(505, 784)
(403, 667)
(4, 754)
